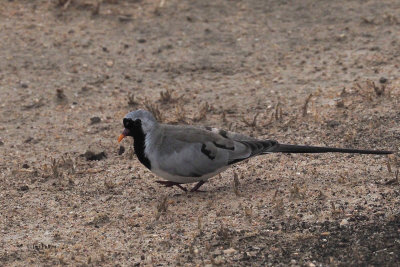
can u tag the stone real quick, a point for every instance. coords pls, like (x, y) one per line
(229, 251)
(344, 222)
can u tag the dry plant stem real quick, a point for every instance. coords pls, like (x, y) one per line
(180, 113)
(388, 165)
(96, 8)
(253, 123)
(153, 108)
(223, 117)
(248, 211)
(236, 184)
(378, 91)
(199, 225)
(162, 2)
(66, 4)
(305, 106)
(166, 96)
(202, 112)
(162, 206)
(131, 99)
(54, 168)
(109, 184)
(278, 111)
(395, 180)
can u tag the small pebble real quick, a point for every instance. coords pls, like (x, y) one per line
(332, 123)
(28, 140)
(344, 222)
(383, 80)
(1, 143)
(219, 260)
(121, 150)
(25, 166)
(94, 120)
(110, 63)
(217, 252)
(60, 94)
(95, 153)
(229, 251)
(24, 188)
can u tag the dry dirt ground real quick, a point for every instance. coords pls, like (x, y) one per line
(311, 72)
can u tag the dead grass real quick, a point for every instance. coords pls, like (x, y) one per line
(202, 113)
(251, 123)
(305, 106)
(180, 113)
(236, 184)
(154, 109)
(379, 91)
(131, 100)
(166, 96)
(162, 206)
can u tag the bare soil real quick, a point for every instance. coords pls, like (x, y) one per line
(304, 72)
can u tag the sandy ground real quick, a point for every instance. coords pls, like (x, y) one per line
(313, 72)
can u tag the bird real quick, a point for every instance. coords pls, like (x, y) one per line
(183, 154)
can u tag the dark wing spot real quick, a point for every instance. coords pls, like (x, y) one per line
(223, 133)
(206, 152)
(208, 128)
(223, 147)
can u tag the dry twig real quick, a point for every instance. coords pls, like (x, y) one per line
(153, 108)
(378, 91)
(166, 96)
(253, 123)
(395, 180)
(202, 112)
(162, 206)
(131, 99)
(236, 184)
(305, 106)
(180, 113)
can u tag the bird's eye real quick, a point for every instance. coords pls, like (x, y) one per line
(127, 122)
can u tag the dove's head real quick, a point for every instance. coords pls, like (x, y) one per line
(138, 121)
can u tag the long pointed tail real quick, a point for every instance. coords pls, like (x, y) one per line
(284, 148)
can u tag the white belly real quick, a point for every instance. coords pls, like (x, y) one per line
(184, 179)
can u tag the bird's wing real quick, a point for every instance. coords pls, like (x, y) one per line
(250, 145)
(194, 152)
(230, 135)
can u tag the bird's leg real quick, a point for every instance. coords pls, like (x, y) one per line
(170, 184)
(197, 186)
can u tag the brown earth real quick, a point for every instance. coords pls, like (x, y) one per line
(70, 71)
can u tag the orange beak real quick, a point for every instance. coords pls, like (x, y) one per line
(122, 136)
